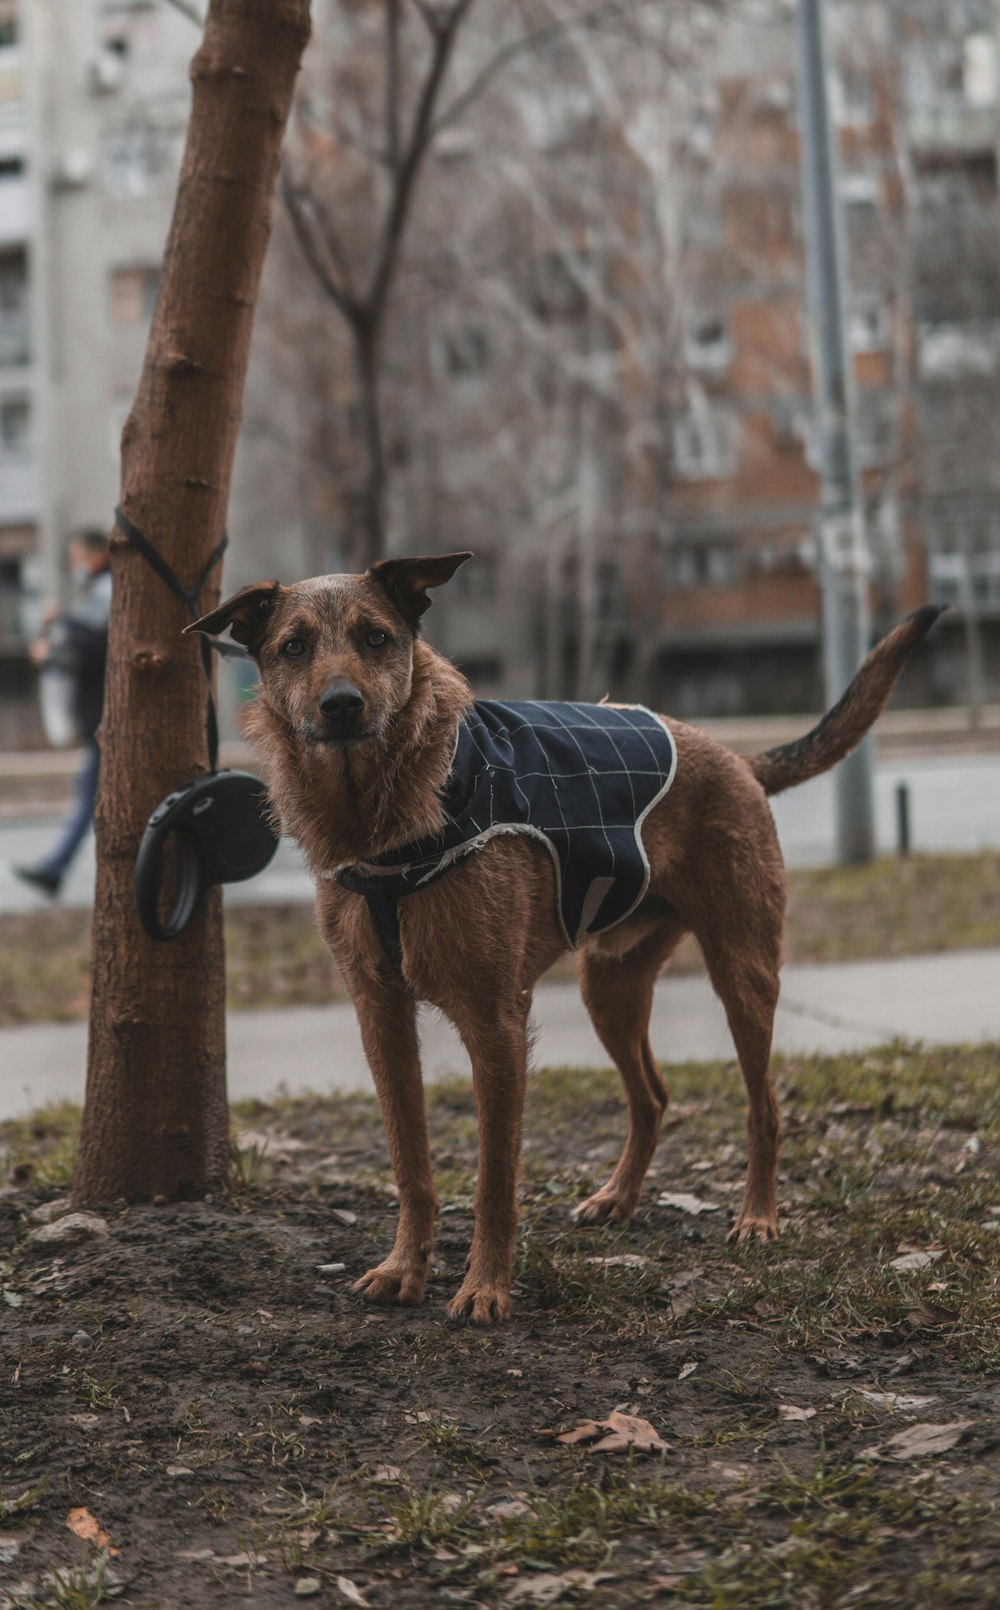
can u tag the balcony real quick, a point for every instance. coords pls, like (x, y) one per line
(952, 127)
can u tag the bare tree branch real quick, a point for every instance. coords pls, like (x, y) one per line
(519, 47)
(421, 134)
(295, 200)
(392, 83)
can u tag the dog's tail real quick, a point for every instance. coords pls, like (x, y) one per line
(843, 727)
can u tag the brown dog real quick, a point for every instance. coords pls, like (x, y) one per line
(357, 719)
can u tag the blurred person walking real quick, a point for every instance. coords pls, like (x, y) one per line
(74, 642)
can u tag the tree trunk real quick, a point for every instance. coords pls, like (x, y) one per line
(155, 1118)
(369, 533)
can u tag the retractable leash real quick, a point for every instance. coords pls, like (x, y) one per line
(219, 821)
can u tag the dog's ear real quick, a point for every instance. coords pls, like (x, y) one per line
(406, 581)
(247, 612)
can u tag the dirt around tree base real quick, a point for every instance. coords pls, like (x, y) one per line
(196, 1387)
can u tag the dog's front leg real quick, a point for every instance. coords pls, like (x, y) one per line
(498, 1047)
(387, 1018)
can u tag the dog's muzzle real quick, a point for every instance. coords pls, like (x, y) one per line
(342, 707)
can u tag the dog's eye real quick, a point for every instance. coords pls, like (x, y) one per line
(293, 647)
(377, 638)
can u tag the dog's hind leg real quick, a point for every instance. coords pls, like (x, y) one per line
(743, 964)
(387, 1018)
(618, 992)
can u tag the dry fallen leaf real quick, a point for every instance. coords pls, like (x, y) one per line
(350, 1592)
(919, 1441)
(894, 1400)
(547, 1587)
(82, 1523)
(615, 1434)
(686, 1204)
(915, 1260)
(791, 1411)
(687, 1369)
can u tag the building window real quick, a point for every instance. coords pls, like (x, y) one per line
(869, 324)
(136, 161)
(11, 168)
(15, 427)
(706, 442)
(14, 329)
(463, 354)
(133, 294)
(876, 428)
(706, 346)
(979, 69)
(8, 22)
(853, 100)
(958, 350)
(964, 565)
(704, 564)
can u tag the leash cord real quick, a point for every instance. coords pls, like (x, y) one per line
(191, 597)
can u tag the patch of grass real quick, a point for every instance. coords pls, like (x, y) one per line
(275, 956)
(791, 1540)
(895, 907)
(249, 1166)
(43, 1147)
(44, 966)
(76, 1588)
(24, 1503)
(552, 1275)
(836, 1527)
(422, 1520)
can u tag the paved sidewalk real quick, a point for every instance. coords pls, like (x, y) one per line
(940, 999)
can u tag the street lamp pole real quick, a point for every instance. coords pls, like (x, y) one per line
(843, 553)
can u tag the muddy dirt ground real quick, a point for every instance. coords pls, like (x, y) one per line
(196, 1410)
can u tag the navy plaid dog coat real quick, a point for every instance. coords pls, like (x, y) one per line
(581, 778)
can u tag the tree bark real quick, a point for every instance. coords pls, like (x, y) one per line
(155, 1118)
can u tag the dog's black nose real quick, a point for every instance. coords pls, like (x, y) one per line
(341, 703)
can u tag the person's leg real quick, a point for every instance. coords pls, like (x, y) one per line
(81, 815)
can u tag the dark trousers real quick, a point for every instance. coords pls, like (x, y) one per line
(81, 815)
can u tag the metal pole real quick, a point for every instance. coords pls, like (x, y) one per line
(843, 555)
(36, 26)
(973, 641)
(902, 818)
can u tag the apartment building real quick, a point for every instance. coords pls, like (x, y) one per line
(94, 99)
(596, 372)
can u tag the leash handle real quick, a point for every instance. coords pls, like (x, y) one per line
(222, 834)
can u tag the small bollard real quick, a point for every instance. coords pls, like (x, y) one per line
(902, 818)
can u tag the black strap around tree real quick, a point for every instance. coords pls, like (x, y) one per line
(191, 596)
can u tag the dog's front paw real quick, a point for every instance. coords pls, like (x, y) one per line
(483, 1302)
(604, 1205)
(754, 1227)
(392, 1282)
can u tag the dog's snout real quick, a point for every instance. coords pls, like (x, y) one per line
(341, 702)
